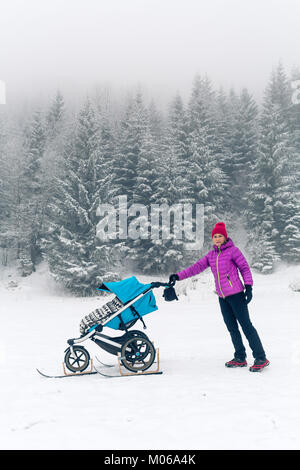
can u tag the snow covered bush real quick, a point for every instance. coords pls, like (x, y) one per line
(295, 285)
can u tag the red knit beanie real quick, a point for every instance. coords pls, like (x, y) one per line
(219, 228)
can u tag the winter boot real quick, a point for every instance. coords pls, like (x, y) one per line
(236, 362)
(259, 364)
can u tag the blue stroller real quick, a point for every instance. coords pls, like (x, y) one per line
(132, 301)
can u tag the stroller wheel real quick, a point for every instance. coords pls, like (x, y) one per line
(78, 361)
(137, 333)
(137, 354)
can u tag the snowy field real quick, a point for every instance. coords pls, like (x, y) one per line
(196, 403)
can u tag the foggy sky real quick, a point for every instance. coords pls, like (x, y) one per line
(161, 44)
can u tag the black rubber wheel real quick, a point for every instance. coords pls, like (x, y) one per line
(133, 333)
(78, 361)
(137, 354)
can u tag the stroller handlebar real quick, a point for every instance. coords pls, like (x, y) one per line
(160, 284)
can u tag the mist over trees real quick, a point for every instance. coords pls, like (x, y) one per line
(238, 158)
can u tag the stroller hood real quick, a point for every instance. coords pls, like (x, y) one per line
(127, 290)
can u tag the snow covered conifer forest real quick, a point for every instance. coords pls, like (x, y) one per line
(59, 160)
(124, 124)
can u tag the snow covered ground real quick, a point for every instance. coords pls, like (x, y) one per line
(196, 404)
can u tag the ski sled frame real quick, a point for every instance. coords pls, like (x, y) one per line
(94, 370)
(113, 345)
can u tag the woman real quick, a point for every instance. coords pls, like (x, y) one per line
(224, 260)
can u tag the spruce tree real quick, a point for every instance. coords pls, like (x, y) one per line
(272, 201)
(4, 174)
(177, 145)
(287, 204)
(146, 180)
(167, 248)
(30, 207)
(244, 147)
(294, 114)
(225, 127)
(291, 230)
(205, 176)
(156, 121)
(5, 192)
(132, 129)
(77, 257)
(57, 133)
(108, 141)
(55, 115)
(161, 185)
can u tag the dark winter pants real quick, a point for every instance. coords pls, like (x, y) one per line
(235, 310)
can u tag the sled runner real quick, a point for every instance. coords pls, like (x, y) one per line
(134, 350)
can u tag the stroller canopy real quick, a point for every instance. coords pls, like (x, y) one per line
(127, 290)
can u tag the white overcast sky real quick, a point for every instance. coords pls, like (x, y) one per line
(162, 44)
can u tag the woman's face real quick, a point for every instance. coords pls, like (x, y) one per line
(218, 239)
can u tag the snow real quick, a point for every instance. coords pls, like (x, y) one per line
(196, 403)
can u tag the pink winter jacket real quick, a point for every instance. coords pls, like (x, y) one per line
(224, 263)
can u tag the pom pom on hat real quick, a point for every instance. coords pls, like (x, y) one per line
(219, 228)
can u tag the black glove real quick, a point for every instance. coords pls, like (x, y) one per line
(173, 278)
(248, 293)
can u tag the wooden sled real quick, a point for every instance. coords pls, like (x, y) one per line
(146, 372)
(85, 372)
